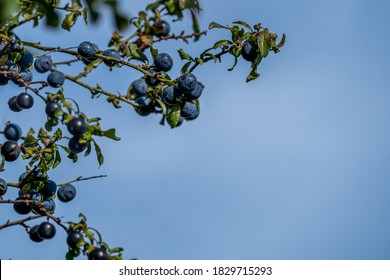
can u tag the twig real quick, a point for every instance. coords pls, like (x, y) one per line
(80, 178)
(95, 90)
(180, 37)
(19, 222)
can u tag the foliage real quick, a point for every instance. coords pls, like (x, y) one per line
(176, 99)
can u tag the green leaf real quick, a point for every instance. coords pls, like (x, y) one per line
(184, 55)
(99, 154)
(237, 33)
(44, 164)
(2, 163)
(254, 74)
(89, 149)
(136, 53)
(222, 43)
(243, 23)
(153, 52)
(174, 116)
(30, 139)
(57, 160)
(111, 134)
(195, 26)
(163, 106)
(216, 25)
(185, 67)
(72, 156)
(84, 13)
(58, 134)
(69, 21)
(263, 44)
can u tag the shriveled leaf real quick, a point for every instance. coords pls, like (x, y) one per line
(282, 41)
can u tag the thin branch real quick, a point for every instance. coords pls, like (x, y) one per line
(81, 178)
(66, 62)
(180, 37)
(95, 90)
(19, 222)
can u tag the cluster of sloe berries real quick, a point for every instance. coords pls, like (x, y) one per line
(35, 186)
(10, 148)
(187, 89)
(87, 51)
(18, 63)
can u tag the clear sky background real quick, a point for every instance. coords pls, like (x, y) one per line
(295, 165)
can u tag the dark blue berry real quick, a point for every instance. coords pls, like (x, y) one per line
(139, 87)
(145, 106)
(98, 254)
(49, 204)
(26, 75)
(74, 237)
(187, 82)
(13, 106)
(188, 109)
(22, 208)
(249, 51)
(55, 79)
(10, 150)
(152, 81)
(52, 108)
(75, 146)
(39, 175)
(66, 193)
(161, 28)
(26, 60)
(169, 95)
(46, 230)
(111, 53)
(196, 93)
(77, 126)
(13, 132)
(33, 233)
(193, 116)
(24, 100)
(87, 49)
(163, 62)
(49, 189)
(3, 187)
(43, 63)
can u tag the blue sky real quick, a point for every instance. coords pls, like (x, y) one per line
(294, 165)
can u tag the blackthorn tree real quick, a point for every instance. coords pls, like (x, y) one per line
(176, 99)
